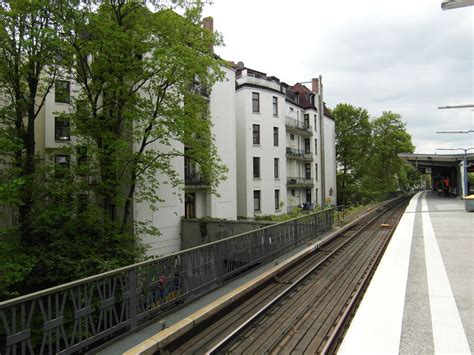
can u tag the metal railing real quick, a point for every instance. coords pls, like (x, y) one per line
(195, 179)
(292, 180)
(81, 315)
(299, 153)
(291, 122)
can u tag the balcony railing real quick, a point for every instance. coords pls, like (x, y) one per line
(79, 316)
(299, 125)
(299, 153)
(299, 181)
(195, 179)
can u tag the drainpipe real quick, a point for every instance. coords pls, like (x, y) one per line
(321, 126)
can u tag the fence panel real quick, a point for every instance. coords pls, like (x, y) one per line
(78, 316)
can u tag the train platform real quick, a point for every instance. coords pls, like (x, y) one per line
(421, 298)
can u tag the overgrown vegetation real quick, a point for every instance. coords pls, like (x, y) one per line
(134, 104)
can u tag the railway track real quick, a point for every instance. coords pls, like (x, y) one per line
(304, 309)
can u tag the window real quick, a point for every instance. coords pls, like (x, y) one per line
(316, 171)
(276, 167)
(275, 136)
(275, 106)
(308, 195)
(61, 129)
(61, 165)
(297, 97)
(256, 134)
(62, 92)
(307, 146)
(292, 136)
(255, 102)
(256, 167)
(315, 122)
(315, 146)
(189, 206)
(256, 200)
(306, 120)
(291, 109)
(277, 199)
(293, 192)
(307, 171)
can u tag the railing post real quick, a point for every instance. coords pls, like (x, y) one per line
(133, 304)
(296, 232)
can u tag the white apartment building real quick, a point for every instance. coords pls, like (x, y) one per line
(267, 134)
(192, 200)
(280, 148)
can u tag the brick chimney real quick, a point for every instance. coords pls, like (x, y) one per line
(315, 85)
(208, 24)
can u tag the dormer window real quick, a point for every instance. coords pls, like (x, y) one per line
(297, 97)
(311, 99)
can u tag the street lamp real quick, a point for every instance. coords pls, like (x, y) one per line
(465, 192)
(458, 131)
(454, 4)
(456, 106)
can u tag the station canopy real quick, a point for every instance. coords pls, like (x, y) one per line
(427, 163)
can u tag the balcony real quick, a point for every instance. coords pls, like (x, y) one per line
(298, 154)
(196, 181)
(200, 89)
(298, 127)
(299, 182)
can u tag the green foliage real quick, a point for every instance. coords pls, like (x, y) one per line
(140, 75)
(353, 137)
(369, 168)
(16, 263)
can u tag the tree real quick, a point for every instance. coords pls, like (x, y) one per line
(353, 137)
(390, 138)
(137, 70)
(28, 49)
(139, 76)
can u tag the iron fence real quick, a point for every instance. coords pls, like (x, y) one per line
(79, 316)
(301, 125)
(299, 153)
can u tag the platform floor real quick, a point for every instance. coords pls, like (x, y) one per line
(421, 298)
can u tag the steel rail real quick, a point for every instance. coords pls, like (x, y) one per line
(221, 344)
(331, 343)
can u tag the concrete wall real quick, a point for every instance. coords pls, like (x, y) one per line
(195, 232)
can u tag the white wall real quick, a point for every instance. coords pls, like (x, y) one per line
(168, 216)
(222, 107)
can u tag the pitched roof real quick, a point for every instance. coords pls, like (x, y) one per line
(304, 95)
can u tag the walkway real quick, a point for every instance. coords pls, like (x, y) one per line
(421, 298)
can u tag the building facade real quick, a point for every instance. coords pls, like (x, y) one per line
(195, 200)
(270, 136)
(285, 145)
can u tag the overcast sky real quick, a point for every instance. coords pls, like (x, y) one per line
(405, 56)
